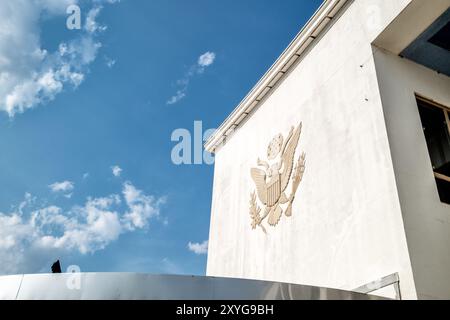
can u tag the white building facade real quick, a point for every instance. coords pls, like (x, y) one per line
(333, 171)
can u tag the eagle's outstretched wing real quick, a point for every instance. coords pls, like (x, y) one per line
(288, 158)
(259, 177)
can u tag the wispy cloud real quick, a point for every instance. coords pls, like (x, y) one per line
(169, 267)
(31, 75)
(141, 207)
(198, 248)
(63, 187)
(91, 25)
(177, 97)
(116, 171)
(110, 62)
(203, 62)
(206, 59)
(30, 234)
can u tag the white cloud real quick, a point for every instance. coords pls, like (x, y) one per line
(141, 207)
(81, 52)
(116, 171)
(31, 238)
(204, 61)
(177, 97)
(198, 248)
(95, 226)
(65, 186)
(91, 24)
(29, 74)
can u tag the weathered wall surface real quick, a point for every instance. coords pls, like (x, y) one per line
(347, 228)
(426, 219)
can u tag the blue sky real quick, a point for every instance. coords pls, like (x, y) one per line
(76, 104)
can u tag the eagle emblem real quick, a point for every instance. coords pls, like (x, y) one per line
(273, 177)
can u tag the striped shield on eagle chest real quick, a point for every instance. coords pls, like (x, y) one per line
(274, 191)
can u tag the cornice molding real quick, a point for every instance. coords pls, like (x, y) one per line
(304, 39)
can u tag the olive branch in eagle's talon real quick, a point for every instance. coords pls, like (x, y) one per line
(255, 213)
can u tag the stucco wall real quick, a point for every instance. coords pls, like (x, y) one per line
(347, 228)
(426, 219)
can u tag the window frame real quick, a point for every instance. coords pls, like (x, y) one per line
(446, 111)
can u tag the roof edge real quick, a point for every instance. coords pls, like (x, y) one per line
(304, 39)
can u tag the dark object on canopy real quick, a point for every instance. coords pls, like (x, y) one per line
(56, 267)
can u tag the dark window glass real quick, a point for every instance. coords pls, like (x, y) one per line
(444, 190)
(442, 37)
(437, 134)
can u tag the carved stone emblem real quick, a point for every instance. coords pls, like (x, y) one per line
(273, 177)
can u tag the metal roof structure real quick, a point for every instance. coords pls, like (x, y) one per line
(133, 286)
